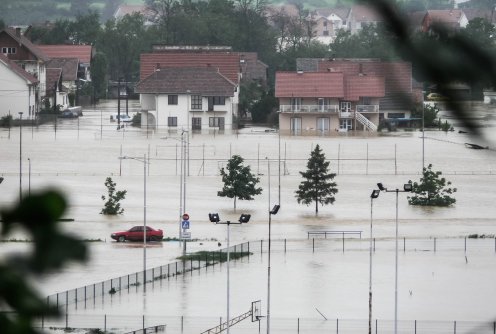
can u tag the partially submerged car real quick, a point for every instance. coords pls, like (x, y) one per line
(136, 234)
(122, 117)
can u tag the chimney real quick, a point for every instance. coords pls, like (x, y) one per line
(157, 67)
(18, 32)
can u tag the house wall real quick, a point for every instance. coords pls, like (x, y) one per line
(21, 97)
(183, 112)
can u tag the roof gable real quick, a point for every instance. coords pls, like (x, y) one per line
(23, 41)
(186, 80)
(18, 70)
(69, 67)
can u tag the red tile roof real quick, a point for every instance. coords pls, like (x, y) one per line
(226, 62)
(366, 86)
(52, 78)
(309, 84)
(81, 52)
(195, 80)
(18, 70)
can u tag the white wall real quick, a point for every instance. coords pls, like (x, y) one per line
(15, 95)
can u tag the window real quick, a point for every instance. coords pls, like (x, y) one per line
(196, 123)
(366, 101)
(325, 23)
(172, 121)
(216, 122)
(215, 101)
(9, 50)
(196, 102)
(295, 104)
(172, 99)
(323, 124)
(396, 115)
(295, 125)
(326, 33)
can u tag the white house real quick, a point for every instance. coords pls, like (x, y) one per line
(18, 89)
(196, 98)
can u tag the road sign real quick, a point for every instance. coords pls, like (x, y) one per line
(185, 224)
(186, 235)
(185, 216)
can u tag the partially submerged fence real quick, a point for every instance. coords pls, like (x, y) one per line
(87, 295)
(121, 324)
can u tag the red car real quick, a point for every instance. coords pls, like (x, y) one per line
(136, 234)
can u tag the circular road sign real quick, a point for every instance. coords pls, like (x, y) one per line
(185, 216)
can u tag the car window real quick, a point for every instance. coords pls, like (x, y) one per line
(136, 229)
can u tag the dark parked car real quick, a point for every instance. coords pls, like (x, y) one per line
(136, 234)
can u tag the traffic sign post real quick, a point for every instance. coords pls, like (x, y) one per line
(185, 234)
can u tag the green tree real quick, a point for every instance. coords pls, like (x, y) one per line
(432, 189)
(430, 114)
(318, 186)
(239, 182)
(112, 205)
(39, 216)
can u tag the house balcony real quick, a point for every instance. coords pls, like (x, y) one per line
(308, 108)
(369, 108)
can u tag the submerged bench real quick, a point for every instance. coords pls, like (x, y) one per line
(343, 233)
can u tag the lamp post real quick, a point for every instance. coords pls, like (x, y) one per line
(407, 187)
(20, 155)
(144, 161)
(375, 193)
(29, 177)
(214, 218)
(274, 211)
(423, 138)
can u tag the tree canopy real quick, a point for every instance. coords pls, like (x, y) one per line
(432, 189)
(317, 186)
(239, 182)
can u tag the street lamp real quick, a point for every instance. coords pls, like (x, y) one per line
(407, 187)
(29, 176)
(375, 193)
(20, 155)
(144, 161)
(274, 211)
(214, 218)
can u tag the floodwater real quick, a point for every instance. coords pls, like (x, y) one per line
(77, 155)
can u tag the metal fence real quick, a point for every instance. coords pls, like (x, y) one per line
(120, 324)
(87, 295)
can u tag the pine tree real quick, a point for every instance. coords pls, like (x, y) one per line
(432, 190)
(318, 186)
(239, 182)
(112, 205)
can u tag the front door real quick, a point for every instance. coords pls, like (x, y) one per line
(345, 124)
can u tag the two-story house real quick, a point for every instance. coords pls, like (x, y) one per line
(361, 15)
(18, 90)
(325, 101)
(328, 21)
(29, 57)
(372, 90)
(232, 66)
(197, 98)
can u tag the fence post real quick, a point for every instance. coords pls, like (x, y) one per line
(415, 326)
(298, 325)
(337, 326)
(261, 246)
(434, 245)
(404, 244)
(94, 293)
(284, 245)
(42, 322)
(182, 323)
(375, 326)
(313, 245)
(144, 330)
(465, 244)
(105, 323)
(454, 328)
(343, 242)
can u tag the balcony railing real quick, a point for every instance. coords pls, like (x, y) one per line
(369, 108)
(287, 108)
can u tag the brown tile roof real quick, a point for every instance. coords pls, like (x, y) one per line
(18, 70)
(197, 80)
(52, 78)
(447, 16)
(81, 52)
(311, 84)
(22, 40)
(226, 62)
(69, 67)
